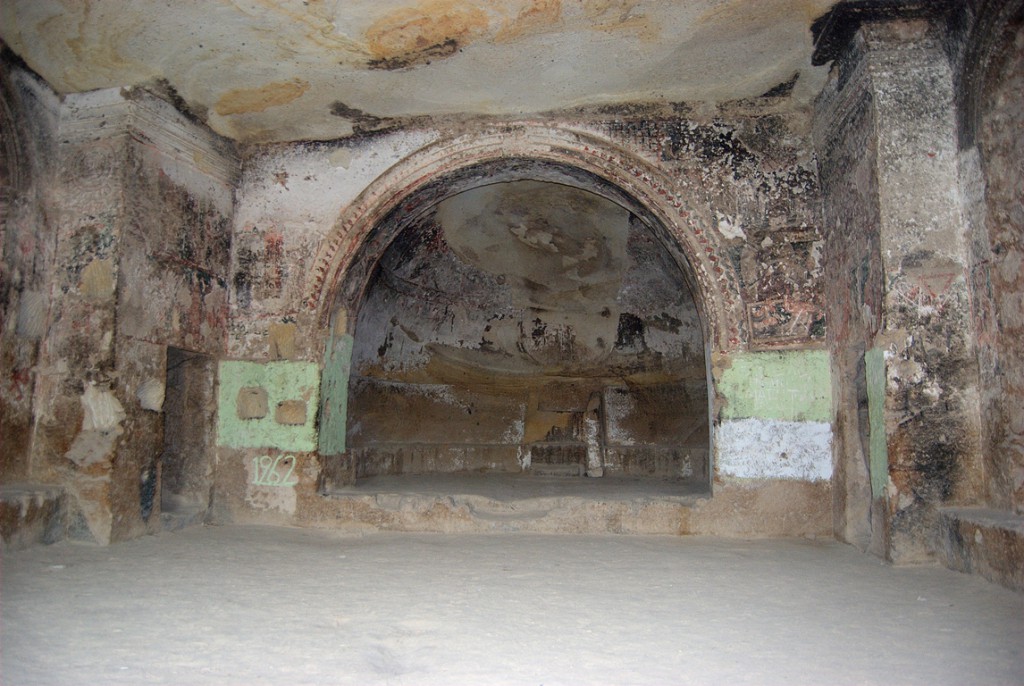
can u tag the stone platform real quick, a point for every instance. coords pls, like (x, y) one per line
(31, 514)
(985, 542)
(578, 505)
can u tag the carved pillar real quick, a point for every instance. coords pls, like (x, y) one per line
(907, 382)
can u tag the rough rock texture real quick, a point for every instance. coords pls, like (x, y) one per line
(137, 203)
(347, 67)
(899, 287)
(31, 514)
(984, 541)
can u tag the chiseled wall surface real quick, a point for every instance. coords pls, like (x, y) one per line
(137, 207)
(744, 190)
(29, 115)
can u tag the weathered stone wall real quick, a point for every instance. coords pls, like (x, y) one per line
(28, 125)
(1002, 153)
(172, 288)
(985, 44)
(909, 358)
(138, 204)
(845, 131)
(734, 189)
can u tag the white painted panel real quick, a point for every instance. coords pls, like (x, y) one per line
(775, 449)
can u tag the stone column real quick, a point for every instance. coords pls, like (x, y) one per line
(907, 380)
(78, 416)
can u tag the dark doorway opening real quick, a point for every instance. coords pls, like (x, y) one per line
(186, 464)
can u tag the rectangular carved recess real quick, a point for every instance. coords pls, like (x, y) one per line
(558, 459)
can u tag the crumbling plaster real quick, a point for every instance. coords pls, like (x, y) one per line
(732, 190)
(874, 236)
(130, 249)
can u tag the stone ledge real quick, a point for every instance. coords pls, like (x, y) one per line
(31, 514)
(473, 503)
(985, 542)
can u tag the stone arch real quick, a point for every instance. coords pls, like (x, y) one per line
(350, 248)
(991, 28)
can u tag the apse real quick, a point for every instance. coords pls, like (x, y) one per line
(527, 327)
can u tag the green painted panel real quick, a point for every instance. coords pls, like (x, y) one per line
(878, 461)
(791, 385)
(334, 414)
(285, 382)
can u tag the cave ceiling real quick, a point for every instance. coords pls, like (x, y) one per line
(282, 70)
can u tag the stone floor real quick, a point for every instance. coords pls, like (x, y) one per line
(247, 605)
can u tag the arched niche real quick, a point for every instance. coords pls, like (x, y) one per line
(399, 214)
(683, 215)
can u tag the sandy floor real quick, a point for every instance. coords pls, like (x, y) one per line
(237, 605)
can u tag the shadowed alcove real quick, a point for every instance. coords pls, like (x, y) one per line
(523, 319)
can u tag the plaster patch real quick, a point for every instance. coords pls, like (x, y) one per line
(334, 419)
(874, 369)
(251, 403)
(772, 449)
(98, 280)
(259, 497)
(101, 410)
(516, 431)
(282, 381)
(793, 385)
(151, 395)
(102, 415)
(730, 227)
(32, 313)
(281, 337)
(290, 412)
(92, 447)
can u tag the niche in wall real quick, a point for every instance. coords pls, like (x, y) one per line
(186, 464)
(528, 326)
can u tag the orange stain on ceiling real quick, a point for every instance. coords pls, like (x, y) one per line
(429, 30)
(538, 16)
(244, 100)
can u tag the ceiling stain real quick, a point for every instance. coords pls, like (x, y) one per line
(743, 13)
(242, 65)
(243, 100)
(318, 19)
(621, 15)
(538, 16)
(432, 29)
